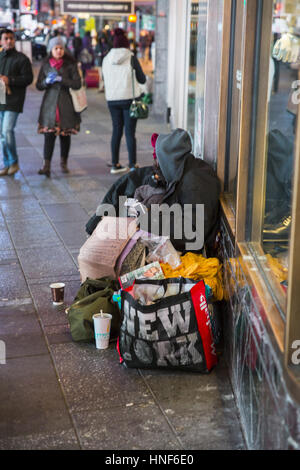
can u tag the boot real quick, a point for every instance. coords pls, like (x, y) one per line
(46, 170)
(63, 164)
(13, 169)
(4, 171)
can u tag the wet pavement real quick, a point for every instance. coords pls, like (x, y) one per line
(57, 394)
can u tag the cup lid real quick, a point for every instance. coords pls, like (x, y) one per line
(103, 315)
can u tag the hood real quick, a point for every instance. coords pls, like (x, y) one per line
(118, 55)
(171, 151)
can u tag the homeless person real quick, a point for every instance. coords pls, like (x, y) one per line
(185, 180)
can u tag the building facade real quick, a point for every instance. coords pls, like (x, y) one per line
(232, 80)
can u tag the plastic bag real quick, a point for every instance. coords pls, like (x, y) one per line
(161, 250)
(134, 207)
(2, 92)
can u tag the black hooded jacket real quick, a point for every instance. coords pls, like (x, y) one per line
(189, 180)
(17, 67)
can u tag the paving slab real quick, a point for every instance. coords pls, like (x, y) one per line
(90, 200)
(33, 232)
(54, 262)
(57, 334)
(139, 427)
(11, 187)
(99, 379)
(73, 234)
(49, 190)
(21, 331)
(56, 440)
(65, 212)
(12, 282)
(17, 209)
(8, 257)
(5, 239)
(31, 400)
(205, 401)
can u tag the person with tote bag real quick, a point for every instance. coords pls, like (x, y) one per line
(58, 74)
(119, 83)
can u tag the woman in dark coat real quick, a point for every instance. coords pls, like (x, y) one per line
(58, 73)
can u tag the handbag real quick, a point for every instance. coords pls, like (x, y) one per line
(79, 98)
(166, 324)
(138, 109)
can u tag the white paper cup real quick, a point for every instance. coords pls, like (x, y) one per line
(102, 324)
(58, 291)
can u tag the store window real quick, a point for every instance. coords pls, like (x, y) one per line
(271, 181)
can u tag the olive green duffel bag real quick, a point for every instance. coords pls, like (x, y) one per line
(93, 296)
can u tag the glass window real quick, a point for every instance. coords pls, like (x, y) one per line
(273, 176)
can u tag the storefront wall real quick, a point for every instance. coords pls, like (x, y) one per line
(233, 110)
(259, 310)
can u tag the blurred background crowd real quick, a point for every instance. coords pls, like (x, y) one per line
(34, 26)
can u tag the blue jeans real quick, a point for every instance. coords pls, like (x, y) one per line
(120, 119)
(8, 120)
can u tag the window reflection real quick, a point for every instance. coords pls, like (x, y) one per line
(284, 71)
(197, 60)
(192, 70)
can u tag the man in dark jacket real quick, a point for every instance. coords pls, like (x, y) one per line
(16, 74)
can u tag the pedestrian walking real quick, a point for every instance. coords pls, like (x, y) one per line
(86, 55)
(16, 74)
(57, 75)
(77, 45)
(102, 48)
(117, 73)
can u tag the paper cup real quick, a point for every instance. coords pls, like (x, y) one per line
(102, 324)
(58, 292)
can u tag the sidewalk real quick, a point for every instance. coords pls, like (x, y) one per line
(57, 394)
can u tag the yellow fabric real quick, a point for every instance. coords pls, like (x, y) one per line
(197, 267)
(279, 271)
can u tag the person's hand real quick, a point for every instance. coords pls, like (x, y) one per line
(4, 78)
(52, 77)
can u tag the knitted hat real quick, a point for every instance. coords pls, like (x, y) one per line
(120, 40)
(57, 41)
(153, 143)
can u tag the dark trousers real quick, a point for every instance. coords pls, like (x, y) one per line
(65, 144)
(120, 119)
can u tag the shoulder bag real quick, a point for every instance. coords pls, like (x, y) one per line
(138, 109)
(79, 97)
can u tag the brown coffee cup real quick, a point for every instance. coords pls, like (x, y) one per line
(58, 291)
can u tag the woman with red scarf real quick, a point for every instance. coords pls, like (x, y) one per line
(57, 75)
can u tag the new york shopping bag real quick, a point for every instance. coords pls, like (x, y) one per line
(166, 324)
